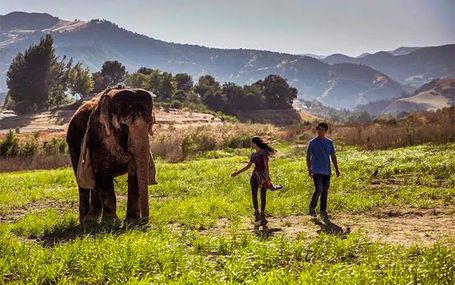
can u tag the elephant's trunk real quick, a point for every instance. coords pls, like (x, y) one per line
(138, 143)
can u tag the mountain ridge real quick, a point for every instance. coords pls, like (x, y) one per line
(93, 42)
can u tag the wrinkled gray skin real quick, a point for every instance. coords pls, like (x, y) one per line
(118, 141)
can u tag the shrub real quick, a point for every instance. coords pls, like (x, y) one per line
(197, 142)
(176, 104)
(54, 146)
(10, 145)
(240, 141)
(29, 148)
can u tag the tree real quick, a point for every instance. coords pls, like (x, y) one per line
(180, 96)
(155, 81)
(215, 100)
(59, 74)
(114, 70)
(167, 88)
(206, 84)
(36, 78)
(100, 82)
(80, 81)
(254, 96)
(235, 98)
(145, 70)
(183, 81)
(278, 94)
(138, 80)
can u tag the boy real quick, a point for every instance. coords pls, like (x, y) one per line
(320, 150)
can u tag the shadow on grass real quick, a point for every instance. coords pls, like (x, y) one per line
(69, 232)
(328, 227)
(264, 232)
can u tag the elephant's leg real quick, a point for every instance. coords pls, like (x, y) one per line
(84, 204)
(96, 206)
(109, 201)
(132, 211)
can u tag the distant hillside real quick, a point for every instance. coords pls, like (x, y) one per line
(403, 50)
(93, 42)
(27, 21)
(436, 94)
(408, 65)
(2, 98)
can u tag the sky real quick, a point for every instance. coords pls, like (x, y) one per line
(320, 27)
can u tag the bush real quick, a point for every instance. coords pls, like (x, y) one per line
(241, 141)
(176, 104)
(10, 145)
(197, 142)
(24, 107)
(29, 147)
(54, 146)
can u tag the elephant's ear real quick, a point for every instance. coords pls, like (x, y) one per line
(104, 113)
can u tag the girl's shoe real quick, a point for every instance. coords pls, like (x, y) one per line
(276, 187)
(263, 220)
(257, 217)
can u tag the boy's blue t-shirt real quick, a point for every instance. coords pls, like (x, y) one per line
(320, 151)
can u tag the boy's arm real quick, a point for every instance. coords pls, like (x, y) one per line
(308, 164)
(335, 163)
(248, 166)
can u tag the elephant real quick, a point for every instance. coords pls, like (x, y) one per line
(110, 135)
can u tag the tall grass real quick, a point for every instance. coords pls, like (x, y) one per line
(41, 241)
(175, 144)
(415, 129)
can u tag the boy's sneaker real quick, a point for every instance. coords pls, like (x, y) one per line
(276, 187)
(313, 212)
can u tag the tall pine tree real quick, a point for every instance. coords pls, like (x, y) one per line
(36, 78)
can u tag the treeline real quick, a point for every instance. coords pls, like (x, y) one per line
(38, 79)
(273, 92)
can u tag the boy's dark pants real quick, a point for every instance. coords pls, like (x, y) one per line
(321, 188)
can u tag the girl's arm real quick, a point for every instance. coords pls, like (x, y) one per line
(266, 163)
(248, 166)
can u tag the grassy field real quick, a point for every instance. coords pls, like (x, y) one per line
(201, 229)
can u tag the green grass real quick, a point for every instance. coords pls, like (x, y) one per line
(43, 243)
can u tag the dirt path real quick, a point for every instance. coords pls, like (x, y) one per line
(56, 121)
(403, 226)
(392, 226)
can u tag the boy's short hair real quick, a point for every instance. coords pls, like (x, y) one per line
(323, 125)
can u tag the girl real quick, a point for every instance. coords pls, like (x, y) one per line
(260, 176)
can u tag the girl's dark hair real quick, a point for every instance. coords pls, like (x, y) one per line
(263, 145)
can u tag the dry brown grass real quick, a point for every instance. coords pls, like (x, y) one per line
(175, 144)
(11, 164)
(418, 128)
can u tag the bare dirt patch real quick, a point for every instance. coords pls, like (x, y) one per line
(395, 226)
(18, 213)
(57, 121)
(405, 226)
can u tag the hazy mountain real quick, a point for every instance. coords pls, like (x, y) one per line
(436, 94)
(403, 50)
(316, 56)
(27, 21)
(407, 65)
(2, 98)
(93, 42)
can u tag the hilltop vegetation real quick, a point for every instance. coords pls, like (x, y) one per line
(53, 79)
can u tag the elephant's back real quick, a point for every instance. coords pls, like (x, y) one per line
(78, 125)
